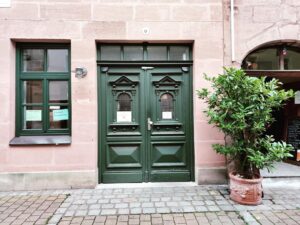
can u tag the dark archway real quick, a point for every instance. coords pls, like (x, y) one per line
(280, 60)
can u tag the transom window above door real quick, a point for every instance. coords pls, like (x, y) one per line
(43, 89)
(149, 52)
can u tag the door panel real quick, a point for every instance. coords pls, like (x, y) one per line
(169, 149)
(122, 146)
(124, 155)
(145, 130)
(168, 154)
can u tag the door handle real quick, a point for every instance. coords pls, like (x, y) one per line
(150, 123)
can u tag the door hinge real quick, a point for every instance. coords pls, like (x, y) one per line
(147, 67)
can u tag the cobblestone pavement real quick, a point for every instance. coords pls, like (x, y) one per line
(289, 217)
(28, 209)
(158, 219)
(156, 205)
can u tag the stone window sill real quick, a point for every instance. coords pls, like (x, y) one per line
(41, 140)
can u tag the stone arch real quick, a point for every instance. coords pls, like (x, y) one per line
(288, 42)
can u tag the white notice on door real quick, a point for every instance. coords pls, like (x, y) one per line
(124, 116)
(167, 115)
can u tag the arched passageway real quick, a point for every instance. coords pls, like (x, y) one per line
(281, 60)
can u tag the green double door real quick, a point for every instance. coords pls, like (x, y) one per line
(145, 118)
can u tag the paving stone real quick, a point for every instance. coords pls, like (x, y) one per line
(121, 205)
(108, 211)
(136, 210)
(94, 212)
(149, 210)
(107, 206)
(124, 211)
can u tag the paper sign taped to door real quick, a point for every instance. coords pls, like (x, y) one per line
(167, 115)
(124, 116)
(60, 114)
(33, 115)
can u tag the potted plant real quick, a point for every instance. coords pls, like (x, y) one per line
(241, 107)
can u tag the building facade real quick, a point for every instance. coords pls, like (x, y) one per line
(104, 91)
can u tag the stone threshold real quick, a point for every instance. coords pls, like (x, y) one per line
(146, 185)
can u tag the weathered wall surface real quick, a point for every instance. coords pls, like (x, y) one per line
(83, 23)
(260, 22)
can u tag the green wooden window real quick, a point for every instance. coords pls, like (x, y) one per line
(43, 105)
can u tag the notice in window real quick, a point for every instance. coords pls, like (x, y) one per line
(33, 115)
(297, 97)
(167, 115)
(60, 114)
(5, 3)
(124, 116)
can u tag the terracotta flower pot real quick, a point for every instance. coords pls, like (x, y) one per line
(245, 191)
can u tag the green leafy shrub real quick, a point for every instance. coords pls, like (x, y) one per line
(241, 107)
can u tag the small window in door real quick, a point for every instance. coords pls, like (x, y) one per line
(166, 106)
(124, 112)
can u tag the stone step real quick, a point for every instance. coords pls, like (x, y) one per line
(288, 182)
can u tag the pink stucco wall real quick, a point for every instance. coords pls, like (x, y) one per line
(258, 23)
(83, 23)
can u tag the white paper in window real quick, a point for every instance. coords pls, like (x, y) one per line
(54, 107)
(297, 97)
(167, 115)
(5, 3)
(33, 115)
(60, 114)
(124, 116)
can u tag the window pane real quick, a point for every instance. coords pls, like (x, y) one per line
(179, 53)
(157, 53)
(33, 60)
(292, 60)
(58, 116)
(133, 53)
(58, 91)
(166, 105)
(32, 91)
(264, 59)
(124, 102)
(32, 118)
(57, 60)
(110, 52)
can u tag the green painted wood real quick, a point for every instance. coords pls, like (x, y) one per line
(45, 77)
(128, 151)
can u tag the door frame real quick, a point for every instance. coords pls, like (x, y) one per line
(101, 110)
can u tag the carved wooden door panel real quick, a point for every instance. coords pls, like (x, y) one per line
(170, 151)
(145, 123)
